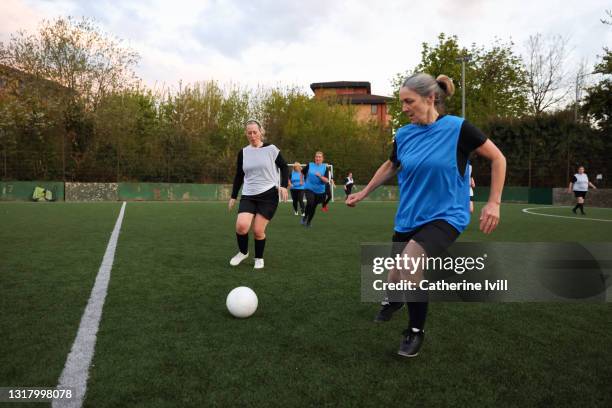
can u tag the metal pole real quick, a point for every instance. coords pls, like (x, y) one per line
(463, 60)
(577, 96)
(64, 154)
(463, 87)
(4, 150)
(529, 181)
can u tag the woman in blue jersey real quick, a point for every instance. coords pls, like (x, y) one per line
(296, 184)
(429, 158)
(317, 176)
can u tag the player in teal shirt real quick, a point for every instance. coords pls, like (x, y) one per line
(430, 157)
(317, 176)
(296, 184)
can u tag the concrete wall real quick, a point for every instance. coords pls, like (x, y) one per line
(22, 191)
(168, 192)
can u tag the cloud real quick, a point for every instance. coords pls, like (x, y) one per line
(296, 43)
(15, 15)
(230, 27)
(464, 9)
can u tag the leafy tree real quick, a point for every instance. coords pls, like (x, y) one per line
(75, 54)
(495, 79)
(82, 64)
(542, 150)
(598, 101)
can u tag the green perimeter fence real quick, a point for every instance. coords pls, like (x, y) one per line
(22, 191)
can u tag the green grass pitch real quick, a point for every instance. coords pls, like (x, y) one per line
(167, 340)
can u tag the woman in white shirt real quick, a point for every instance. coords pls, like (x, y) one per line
(580, 185)
(257, 168)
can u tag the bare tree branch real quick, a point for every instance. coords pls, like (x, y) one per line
(547, 78)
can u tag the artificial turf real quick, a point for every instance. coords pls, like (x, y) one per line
(167, 340)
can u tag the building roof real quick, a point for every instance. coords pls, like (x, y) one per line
(360, 99)
(341, 84)
(356, 99)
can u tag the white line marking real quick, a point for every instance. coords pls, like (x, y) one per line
(526, 210)
(76, 369)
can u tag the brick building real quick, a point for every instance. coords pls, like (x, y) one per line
(359, 94)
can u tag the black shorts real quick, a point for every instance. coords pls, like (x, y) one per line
(264, 203)
(435, 237)
(471, 198)
(314, 198)
(580, 194)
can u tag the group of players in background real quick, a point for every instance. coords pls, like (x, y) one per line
(430, 158)
(257, 167)
(315, 183)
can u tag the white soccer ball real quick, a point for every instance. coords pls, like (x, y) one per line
(241, 302)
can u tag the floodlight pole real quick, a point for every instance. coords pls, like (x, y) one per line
(463, 60)
(579, 77)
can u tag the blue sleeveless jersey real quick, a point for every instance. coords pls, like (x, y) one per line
(295, 180)
(430, 184)
(314, 183)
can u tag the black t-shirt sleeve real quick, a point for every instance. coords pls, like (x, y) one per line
(239, 177)
(470, 139)
(574, 179)
(393, 157)
(282, 165)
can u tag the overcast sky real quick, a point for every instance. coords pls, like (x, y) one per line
(295, 43)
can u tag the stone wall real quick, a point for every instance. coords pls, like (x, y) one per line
(91, 191)
(595, 198)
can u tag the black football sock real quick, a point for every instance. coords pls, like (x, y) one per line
(295, 205)
(260, 244)
(418, 313)
(243, 243)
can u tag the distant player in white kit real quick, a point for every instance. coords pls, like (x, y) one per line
(580, 185)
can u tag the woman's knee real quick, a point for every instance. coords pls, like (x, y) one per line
(259, 234)
(259, 231)
(242, 226)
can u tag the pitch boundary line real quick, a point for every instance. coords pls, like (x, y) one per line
(76, 370)
(526, 211)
